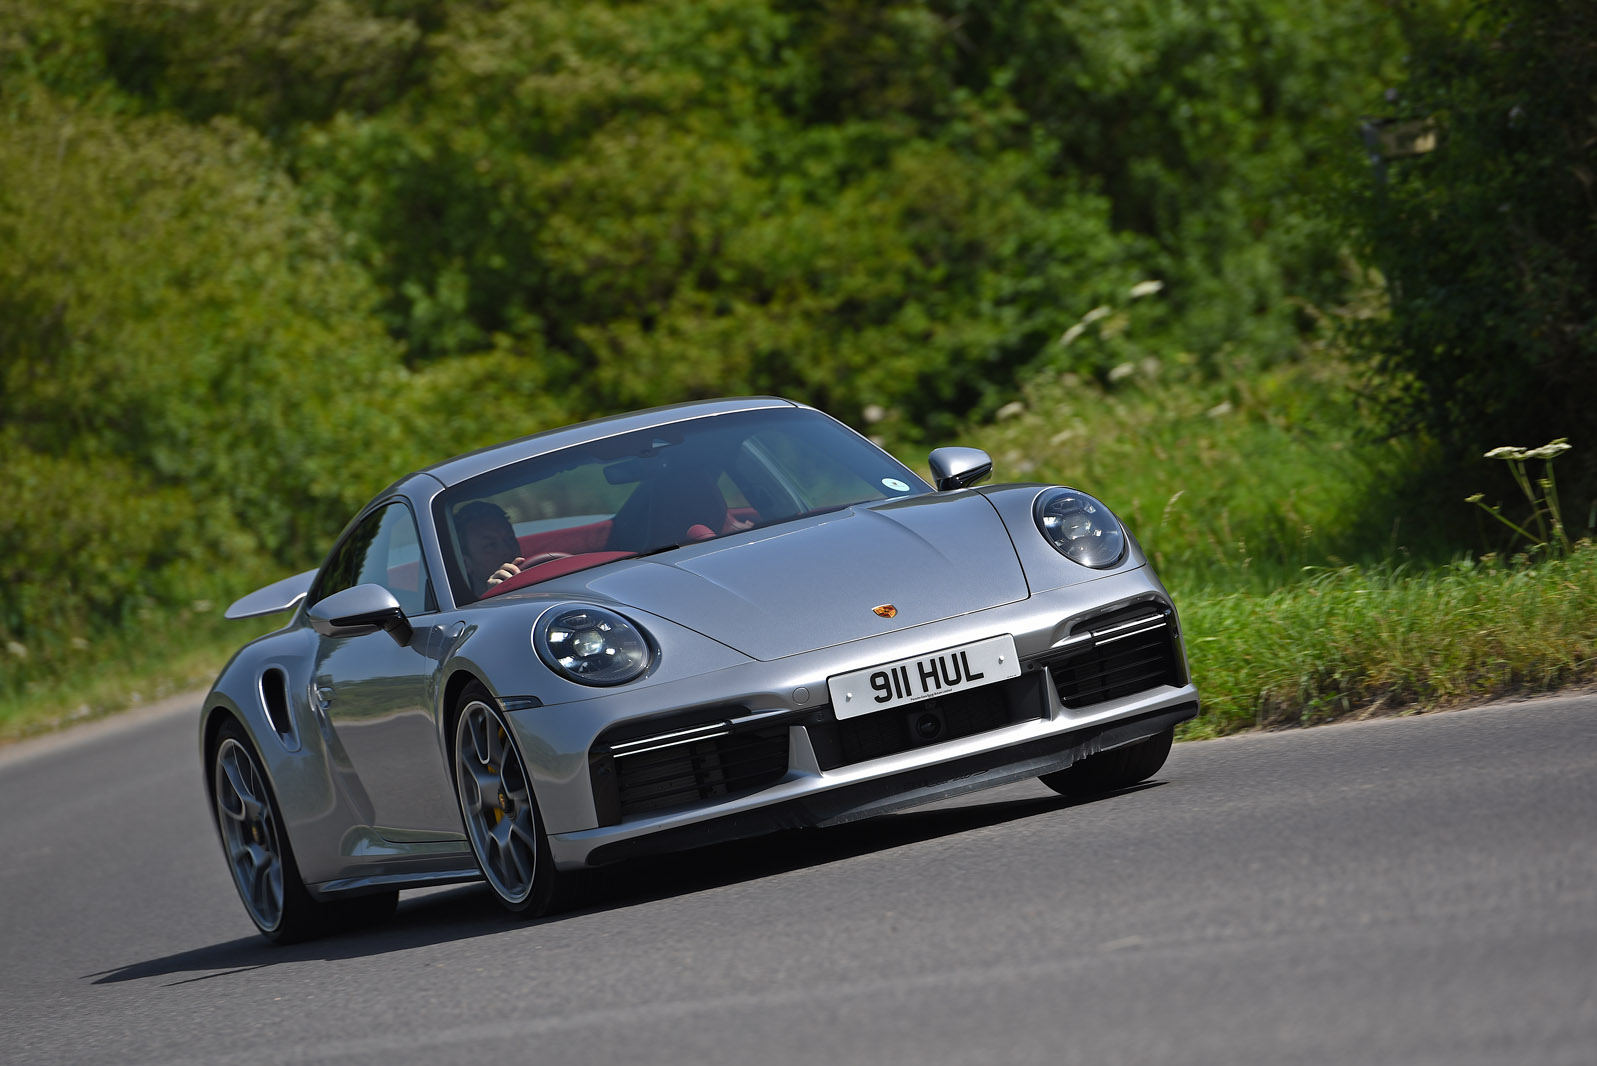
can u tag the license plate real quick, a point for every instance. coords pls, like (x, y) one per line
(938, 673)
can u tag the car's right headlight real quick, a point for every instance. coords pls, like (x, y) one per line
(1082, 529)
(591, 645)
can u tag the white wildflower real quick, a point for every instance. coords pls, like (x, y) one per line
(1548, 451)
(1079, 328)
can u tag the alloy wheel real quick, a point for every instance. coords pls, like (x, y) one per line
(496, 802)
(249, 832)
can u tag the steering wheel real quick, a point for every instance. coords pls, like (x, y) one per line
(533, 570)
(528, 563)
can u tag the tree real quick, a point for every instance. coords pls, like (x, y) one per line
(193, 390)
(1489, 243)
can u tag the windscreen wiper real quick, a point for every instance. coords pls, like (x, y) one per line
(662, 548)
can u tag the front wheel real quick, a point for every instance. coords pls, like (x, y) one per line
(1115, 769)
(498, 808)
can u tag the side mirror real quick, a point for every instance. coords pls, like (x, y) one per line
(360, 610)
(958, 468)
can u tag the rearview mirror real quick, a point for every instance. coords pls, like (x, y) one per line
(360, 610)
(958, 468)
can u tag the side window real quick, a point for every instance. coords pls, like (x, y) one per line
(383, 550)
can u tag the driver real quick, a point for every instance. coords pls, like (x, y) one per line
(486, 538)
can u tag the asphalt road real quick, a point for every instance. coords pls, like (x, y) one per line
(1419, 890)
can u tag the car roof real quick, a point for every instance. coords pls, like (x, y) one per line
(463, 467)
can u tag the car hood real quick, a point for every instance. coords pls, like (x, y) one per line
(813, 583)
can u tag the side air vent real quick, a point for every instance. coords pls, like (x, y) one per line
(274, 697)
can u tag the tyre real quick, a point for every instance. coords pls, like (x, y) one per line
(498, 807)
(1111, 770)
(261, 859)
(257, 851)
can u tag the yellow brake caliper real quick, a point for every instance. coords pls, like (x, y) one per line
(499, 811)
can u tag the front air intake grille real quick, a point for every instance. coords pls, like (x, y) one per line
(686, 773)
(1123, 660)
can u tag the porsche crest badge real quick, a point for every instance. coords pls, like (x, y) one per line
(886, 610)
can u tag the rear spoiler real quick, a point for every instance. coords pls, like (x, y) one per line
(278, 596)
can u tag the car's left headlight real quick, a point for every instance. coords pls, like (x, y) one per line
(1081, 528)
(591, 645)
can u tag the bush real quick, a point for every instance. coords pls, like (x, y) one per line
(1487, 243)
(192, 389)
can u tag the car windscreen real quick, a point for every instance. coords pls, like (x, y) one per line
(653, 490)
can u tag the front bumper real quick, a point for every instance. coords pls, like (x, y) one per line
(572, 750)
(839, 802)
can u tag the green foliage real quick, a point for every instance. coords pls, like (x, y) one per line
(1359, 640)
(191, 385)
(271, 63)
(1237, 485)
(1205, 125)
(1546, 514)
(51, 45)
(258, 258)
(897, 205)
(1488, 243)
(643, 230)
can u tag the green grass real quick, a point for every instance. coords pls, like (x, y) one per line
(1356, 641)
(1230, 485)
(1316, 577)
(160, 657)
(1341, 643)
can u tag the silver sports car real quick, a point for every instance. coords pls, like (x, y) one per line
(666, 629)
